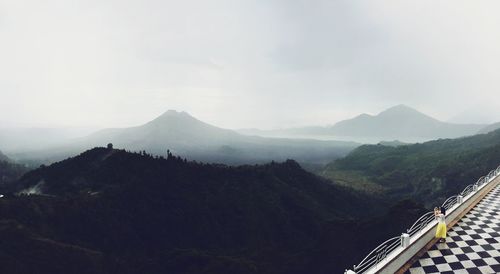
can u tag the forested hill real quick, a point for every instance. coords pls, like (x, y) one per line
(428, 172)
(109, 210)
(103, 171)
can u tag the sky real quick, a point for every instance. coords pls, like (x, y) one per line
(245, 64)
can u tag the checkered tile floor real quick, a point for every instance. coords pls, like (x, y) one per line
(473, 244)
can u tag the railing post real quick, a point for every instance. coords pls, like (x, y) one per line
(474, 187)
(460, 199)
(405, 240)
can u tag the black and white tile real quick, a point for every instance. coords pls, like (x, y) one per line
(472, 245)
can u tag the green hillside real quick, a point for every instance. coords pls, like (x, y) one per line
(110, 211)
(427, 172)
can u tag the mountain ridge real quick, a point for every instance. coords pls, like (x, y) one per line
(399, 122)
(189, 137)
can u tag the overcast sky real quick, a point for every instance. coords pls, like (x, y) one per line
(240, 64)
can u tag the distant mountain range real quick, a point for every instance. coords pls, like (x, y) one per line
(189, 137)
(396, 123)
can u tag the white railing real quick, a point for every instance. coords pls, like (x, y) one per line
(421, 223)
(450, 202)
(378, 254)
(467, 190)
(383, 250)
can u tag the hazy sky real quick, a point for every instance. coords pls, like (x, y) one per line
(240, 64)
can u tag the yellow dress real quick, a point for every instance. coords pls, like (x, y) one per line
(441, 227)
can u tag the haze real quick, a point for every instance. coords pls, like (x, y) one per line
(245, 64)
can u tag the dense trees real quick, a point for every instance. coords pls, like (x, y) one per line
(145, 214)
(428, 172)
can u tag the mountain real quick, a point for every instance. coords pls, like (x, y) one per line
(427, 172)
(396, 123)
(402, 123)
(110, 211)
(189, 137)
(178, 129)
(490, 128)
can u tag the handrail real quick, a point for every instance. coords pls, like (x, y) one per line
(379, 253)
(384, 249)
(421, 223)
(491, 174)
(450, 202)
(467, 190)
(481, 180)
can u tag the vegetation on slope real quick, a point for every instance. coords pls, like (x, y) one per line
(134, 213)
(428, 172)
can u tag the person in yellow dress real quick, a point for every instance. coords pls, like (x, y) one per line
(441, 227)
